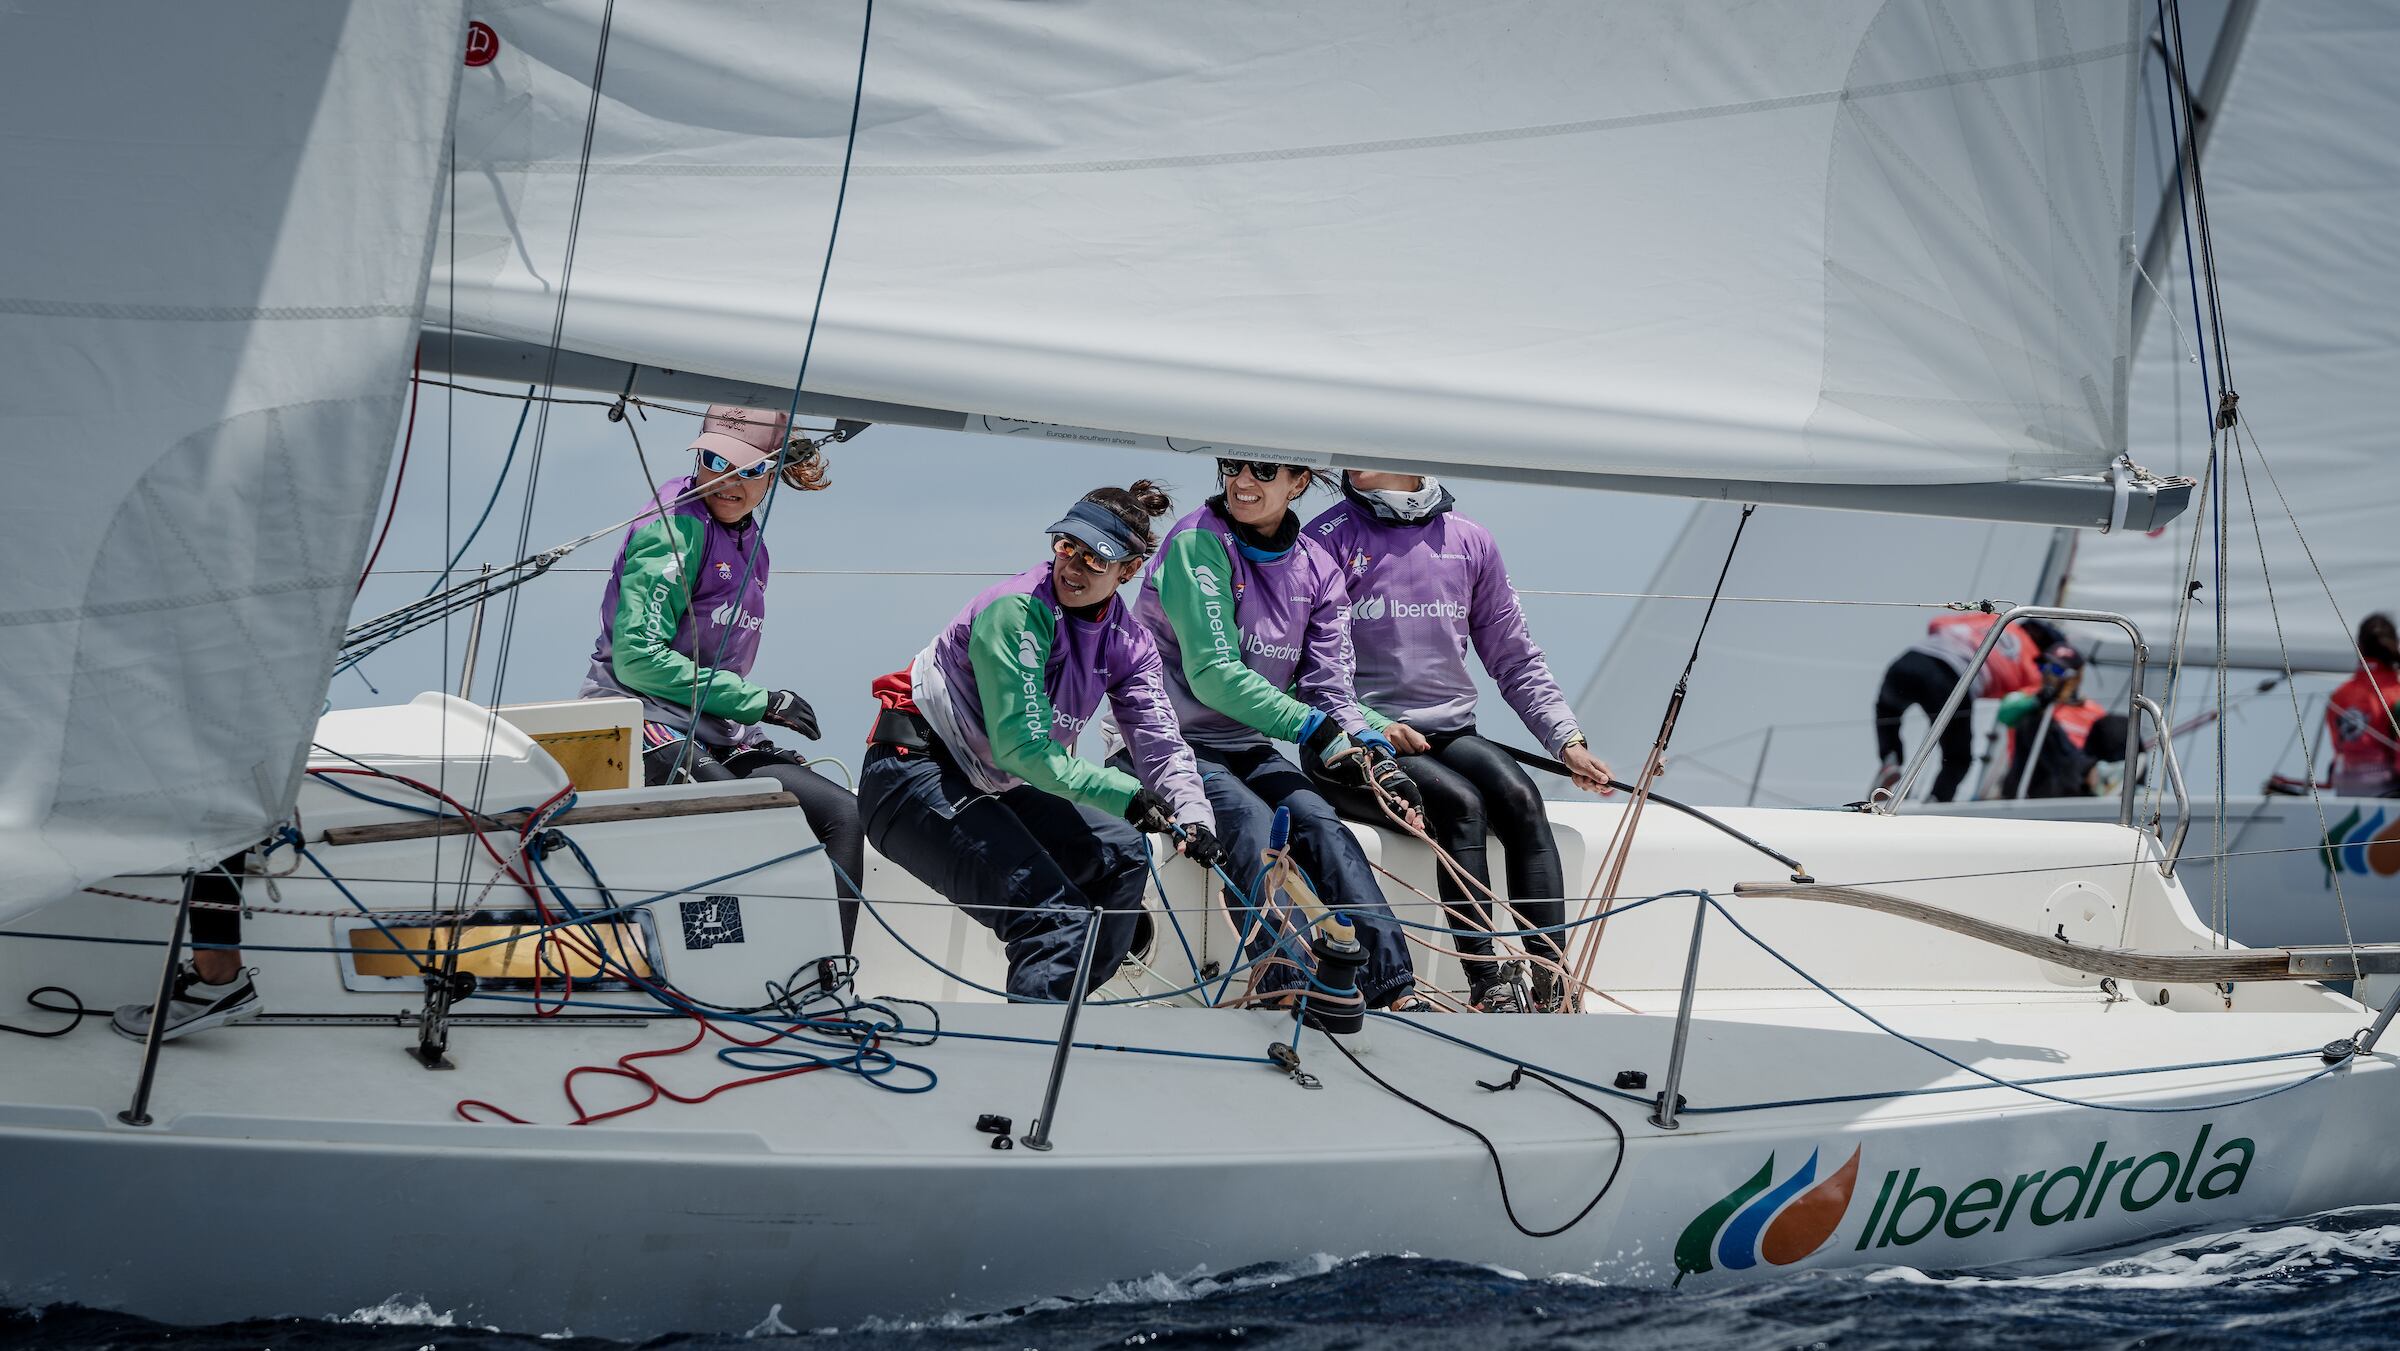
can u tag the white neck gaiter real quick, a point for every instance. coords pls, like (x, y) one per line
(1406, 505)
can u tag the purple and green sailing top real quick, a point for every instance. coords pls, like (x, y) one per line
(1256, 642)
(679, 622)
(1420, 592)
(1015, 678)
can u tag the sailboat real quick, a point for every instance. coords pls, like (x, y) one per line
(2290, 191)
(1860, 253)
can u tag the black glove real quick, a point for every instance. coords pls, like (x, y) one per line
(1149, 813)
(1385, 772)
(1317, 742)
(786, 709)
(1202, 847)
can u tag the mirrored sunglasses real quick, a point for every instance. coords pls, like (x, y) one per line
(718, 466)
(1069, 548)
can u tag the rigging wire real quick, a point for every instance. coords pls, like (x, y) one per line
(704, 677)
(408, 438)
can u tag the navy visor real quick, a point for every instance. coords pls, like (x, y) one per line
(1100, 529)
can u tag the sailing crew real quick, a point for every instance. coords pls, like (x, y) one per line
(971, 781)
(1425, 584)
(2359, 719)
(1925, 674)
(679, 630)
(2057, 738)
(1253, 622)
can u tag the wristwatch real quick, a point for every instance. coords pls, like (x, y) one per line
(1573, 740)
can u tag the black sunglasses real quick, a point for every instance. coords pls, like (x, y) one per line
(1265, 471)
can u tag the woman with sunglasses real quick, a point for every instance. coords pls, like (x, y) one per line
(971, 780)
(679, 630)
(1252, 621)
(1425, 584)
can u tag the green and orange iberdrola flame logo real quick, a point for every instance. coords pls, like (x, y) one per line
(1765, 1220)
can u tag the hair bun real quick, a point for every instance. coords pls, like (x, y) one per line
(1150, 497)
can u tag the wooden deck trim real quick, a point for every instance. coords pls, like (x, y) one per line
(2136, 964)
(386, 832)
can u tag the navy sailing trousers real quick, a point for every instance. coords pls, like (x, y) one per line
(1245, 787)
(1027, 865)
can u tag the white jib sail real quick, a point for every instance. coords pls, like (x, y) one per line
(1863, 241)
(214, 266)
(2303, 178)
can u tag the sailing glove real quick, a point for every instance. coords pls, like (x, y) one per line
(1384, 772)
(786, 709)
(1322, 738)
(1149, 813)
(1201, 846)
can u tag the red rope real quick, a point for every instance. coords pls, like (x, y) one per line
(407, 439)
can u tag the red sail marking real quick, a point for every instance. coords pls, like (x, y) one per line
(1806, 1223)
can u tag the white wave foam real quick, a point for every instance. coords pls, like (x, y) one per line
(1156, 1288)
(395, 1313)
(2267, 1258)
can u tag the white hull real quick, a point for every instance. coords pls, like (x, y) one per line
(311, 1169)
(2281, 880)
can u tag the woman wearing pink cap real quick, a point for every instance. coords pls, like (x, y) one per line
(679, 630)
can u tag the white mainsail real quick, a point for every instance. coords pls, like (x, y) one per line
(1849, 243)
(2303, 178)
(216, 246)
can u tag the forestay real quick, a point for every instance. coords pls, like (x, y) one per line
(2303, 180)
(218, 229)
(1854, 242)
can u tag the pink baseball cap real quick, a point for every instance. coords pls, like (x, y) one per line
(743, 436)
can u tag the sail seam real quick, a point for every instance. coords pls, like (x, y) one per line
(1342, 149)
(81, 309)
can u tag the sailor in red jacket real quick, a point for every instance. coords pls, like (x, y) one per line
(2056, 737)
(1923, 676)
(2366, 744)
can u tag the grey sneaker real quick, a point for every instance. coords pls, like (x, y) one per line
(1501, 998)
(195, 1007)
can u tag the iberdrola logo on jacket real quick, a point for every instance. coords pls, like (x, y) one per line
(1762, 1219)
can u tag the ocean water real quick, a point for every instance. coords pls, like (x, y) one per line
(2324, 1281)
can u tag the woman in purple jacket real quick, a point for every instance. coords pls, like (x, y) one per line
(1425, 583)
(971, 781)
(1251, 620)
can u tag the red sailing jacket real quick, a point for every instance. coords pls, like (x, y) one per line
(2358, 717)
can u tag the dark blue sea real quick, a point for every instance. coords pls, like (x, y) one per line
(2321, 1282)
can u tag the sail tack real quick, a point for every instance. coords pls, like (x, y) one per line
(218, 225)
(1843, 243)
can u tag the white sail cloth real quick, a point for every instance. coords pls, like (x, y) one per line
(212, 268)
(1873, 241)
(2303, 178)
(1781, 707)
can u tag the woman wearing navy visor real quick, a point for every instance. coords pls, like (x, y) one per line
(679, 630)
(1253, 622)
(971, 781)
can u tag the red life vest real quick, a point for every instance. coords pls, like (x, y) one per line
(2359, 719)
(2014, 665)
